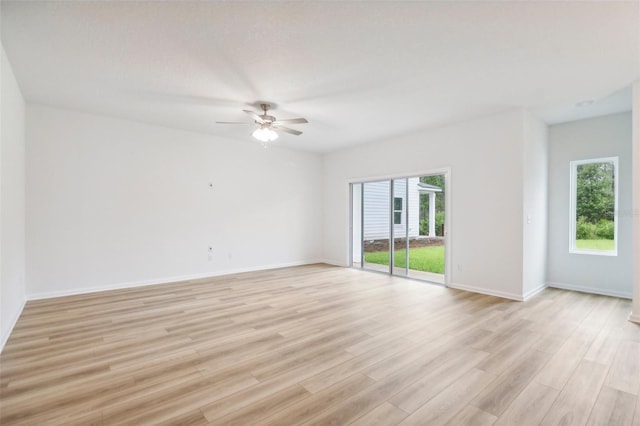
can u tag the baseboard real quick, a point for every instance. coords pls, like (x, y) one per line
(167, 280)
(582, 289)
(634, 318)
(528, 295)
(473, 289)
(13, 324)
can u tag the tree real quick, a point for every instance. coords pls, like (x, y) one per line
(595, 192)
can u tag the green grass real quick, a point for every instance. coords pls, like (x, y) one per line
(595, 245)
(429, 259)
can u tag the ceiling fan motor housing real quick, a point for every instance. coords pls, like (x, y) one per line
(267, 118)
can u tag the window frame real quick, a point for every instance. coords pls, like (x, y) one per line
(573, 193)
(396, 211)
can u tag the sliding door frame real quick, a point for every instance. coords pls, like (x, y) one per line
(446, 171)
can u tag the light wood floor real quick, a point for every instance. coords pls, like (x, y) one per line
(321, 345)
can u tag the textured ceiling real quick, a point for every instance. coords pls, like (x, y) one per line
(359, 71)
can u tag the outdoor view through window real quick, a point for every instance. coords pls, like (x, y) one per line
(594, 205)
(398, 226)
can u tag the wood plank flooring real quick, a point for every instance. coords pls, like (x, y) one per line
(321, 345)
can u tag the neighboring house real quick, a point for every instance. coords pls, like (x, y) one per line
(406, 195)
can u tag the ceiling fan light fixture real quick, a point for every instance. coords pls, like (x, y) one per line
(265, 134)
(267, 123)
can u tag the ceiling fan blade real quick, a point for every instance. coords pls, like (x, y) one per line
(254, 116)
(232, 122)
(291, 121)
(288, 130)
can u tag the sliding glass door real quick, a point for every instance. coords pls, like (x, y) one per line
(398, 226)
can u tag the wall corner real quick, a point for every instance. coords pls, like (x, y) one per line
(635, 206)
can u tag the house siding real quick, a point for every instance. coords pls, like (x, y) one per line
(376, 209)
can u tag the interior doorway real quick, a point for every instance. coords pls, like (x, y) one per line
(399, 226)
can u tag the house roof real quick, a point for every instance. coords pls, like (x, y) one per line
(358, 71)
(425, 188)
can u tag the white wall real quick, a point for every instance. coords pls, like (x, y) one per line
(485, 157)
(606, 136)
(635, 199)
(113, 203)
(12, 201)
(534, 204)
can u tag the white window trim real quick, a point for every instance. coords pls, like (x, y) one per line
(572, 206)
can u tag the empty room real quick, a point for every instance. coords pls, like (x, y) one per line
(320, 213)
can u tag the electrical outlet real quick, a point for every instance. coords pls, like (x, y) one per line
(210, 253)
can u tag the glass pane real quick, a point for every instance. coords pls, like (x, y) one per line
(400, 237)
(397, 218)
(375, 224)
(426, 228)
(595, 206)
(356, 225)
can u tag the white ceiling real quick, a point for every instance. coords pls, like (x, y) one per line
(359, 71)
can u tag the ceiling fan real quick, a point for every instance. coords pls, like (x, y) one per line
(268, 124)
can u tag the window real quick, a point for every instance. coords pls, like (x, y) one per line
(397, 210)
(593, 207)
